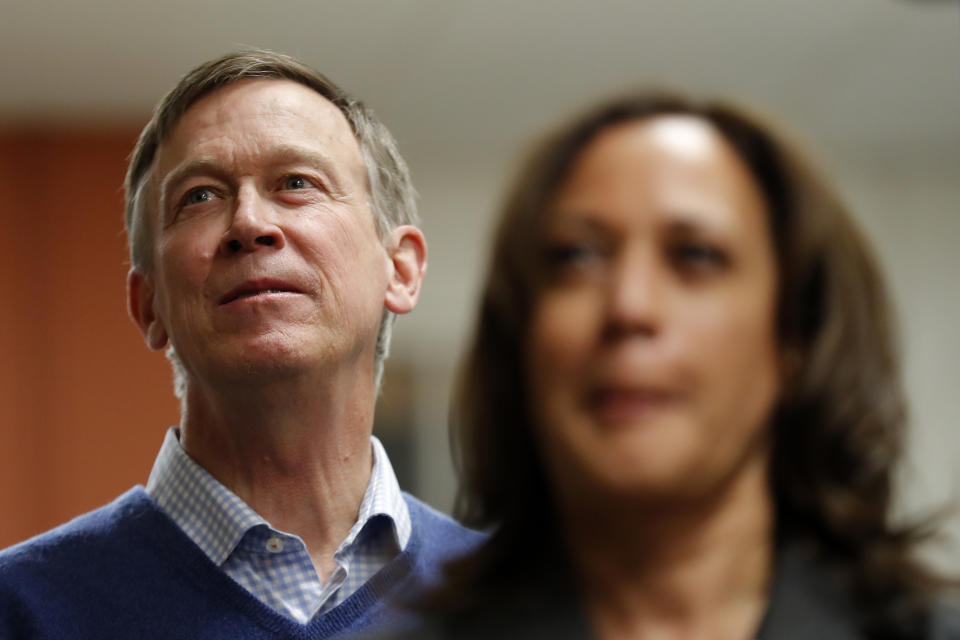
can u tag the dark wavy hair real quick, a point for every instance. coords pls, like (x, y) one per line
(838, 427)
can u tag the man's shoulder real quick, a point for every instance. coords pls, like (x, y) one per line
(81, 537)
(437, 530)
(436, 539)
(82, 574)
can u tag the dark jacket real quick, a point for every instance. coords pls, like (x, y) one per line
(808, 601)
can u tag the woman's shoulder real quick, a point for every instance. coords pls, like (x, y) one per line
(807, 600)
(546, 607)
(944, 623)
(812, 596)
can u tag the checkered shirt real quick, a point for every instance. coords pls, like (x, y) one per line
(272, 565)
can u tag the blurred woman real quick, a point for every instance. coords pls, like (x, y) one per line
(682, 411)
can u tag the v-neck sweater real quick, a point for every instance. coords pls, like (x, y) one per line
(126, 570)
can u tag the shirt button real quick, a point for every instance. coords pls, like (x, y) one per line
(275, 545)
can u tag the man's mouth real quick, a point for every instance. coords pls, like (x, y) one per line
(256, 288)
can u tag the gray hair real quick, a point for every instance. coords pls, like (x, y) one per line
(391, 194)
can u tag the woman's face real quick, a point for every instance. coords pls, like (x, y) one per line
(652, 356)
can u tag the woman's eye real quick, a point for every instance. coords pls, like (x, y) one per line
(574, 257)
(559, 255)
(698, 256)
(294, 183)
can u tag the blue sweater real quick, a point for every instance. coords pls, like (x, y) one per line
(127, 571)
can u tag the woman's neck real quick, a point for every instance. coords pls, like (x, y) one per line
(700, 569)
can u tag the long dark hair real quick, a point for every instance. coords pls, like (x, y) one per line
(838, 427)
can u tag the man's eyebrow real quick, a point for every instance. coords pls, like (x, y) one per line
(292, 154)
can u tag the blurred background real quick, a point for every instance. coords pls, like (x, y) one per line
(871, 86)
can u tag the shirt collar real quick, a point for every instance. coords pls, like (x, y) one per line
(216, 519)
(382, 498)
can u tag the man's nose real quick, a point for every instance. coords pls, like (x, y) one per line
(252, 226)
(635, 296)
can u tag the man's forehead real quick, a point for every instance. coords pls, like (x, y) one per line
(260, 113)
(268, 100)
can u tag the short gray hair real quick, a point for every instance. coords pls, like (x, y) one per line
(390, 190)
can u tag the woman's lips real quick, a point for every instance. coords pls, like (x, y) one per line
(619, 405)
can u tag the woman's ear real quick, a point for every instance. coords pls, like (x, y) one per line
(407, 252)
(140, 306)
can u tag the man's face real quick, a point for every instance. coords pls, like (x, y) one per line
(266, 256)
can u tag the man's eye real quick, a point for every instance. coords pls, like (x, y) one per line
(295, 182)
(197, 196)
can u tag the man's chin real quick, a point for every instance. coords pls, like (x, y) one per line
(255, 364)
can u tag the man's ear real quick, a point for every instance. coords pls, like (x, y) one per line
(407, 251)
(140, 300)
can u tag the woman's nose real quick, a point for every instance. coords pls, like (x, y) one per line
(635, 296)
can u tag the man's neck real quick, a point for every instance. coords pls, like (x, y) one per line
(297, 451)
(698, 573)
